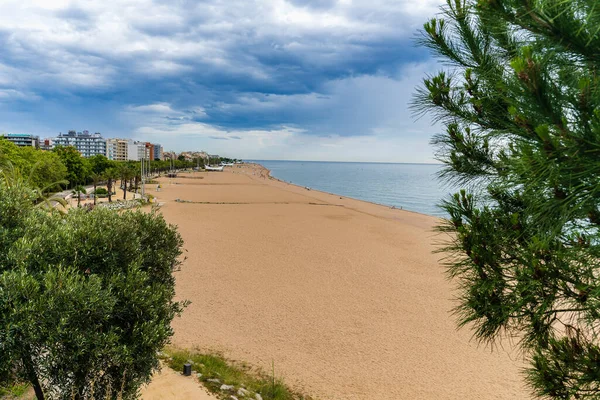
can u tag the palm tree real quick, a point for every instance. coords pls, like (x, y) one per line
(12, 176)
(110, 175)
(136, 179)
(126, 174)
(78, 190)
(96, 178)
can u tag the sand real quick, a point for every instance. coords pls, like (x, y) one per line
(344, 297)
(167, 385)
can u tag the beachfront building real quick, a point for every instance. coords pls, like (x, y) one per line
(23, 139)
(149, 151)
(116, 149)
(158, 152)
(169, 155)
(187, 156)
(88, 144)
(46, 144)
(136, 151)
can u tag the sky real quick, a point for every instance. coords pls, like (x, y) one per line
(252, 79)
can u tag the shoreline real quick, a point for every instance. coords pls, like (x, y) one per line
(349, 197)
(345, 196)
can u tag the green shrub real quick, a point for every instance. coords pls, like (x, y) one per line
(86, 297)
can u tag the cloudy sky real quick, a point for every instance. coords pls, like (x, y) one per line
(255, 79)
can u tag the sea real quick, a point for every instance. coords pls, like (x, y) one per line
(413, 187)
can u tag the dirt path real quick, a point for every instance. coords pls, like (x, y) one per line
(169, 385)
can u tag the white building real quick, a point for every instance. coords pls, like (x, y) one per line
(136, 151)
(88, 144)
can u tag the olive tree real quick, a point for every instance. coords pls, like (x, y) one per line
(86, 297)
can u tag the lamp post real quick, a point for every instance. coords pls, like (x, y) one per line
(143, 179)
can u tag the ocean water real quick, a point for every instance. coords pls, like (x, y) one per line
(413, 187)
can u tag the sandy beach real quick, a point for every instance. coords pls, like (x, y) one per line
(344, 297)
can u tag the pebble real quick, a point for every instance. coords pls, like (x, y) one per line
(234, 398)
(258, 397)
(243, 392)
(213, 380)
(226, 387)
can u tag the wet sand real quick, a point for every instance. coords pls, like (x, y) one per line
(344, 297)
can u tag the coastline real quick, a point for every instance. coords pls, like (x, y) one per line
(341, 195)
(343, 296)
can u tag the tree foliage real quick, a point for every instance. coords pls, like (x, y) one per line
(44, 169)
(111, 175)
(78, 168)
(126, 172)
(521, 104)
(99, 164)
(86, 297)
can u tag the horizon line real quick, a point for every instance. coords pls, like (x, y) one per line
(348, 162)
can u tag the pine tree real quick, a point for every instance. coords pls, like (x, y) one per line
(520, 102)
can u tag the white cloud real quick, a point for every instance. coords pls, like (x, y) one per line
(12, 94)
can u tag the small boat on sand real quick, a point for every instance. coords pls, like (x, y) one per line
(209, 168)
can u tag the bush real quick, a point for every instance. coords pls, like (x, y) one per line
(86, 298)
(101, 191)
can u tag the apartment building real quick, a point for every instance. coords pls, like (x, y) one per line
(117, 149)
(136, 151)
(91, 144)
(158, 152)
(88, 144)
(23, 139)
(149, 151)
(46, 144)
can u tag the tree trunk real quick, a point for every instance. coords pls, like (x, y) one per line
(109, 185)
(124, 189)
(94, 193)
(78, 198)
(32, 376)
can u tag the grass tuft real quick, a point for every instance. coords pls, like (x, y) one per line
(238, 375)
(16, 391)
